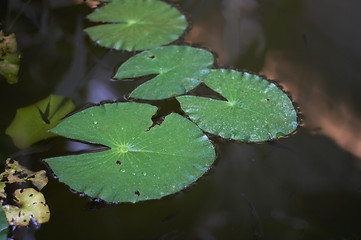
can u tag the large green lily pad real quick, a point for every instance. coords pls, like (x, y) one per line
(179, 69)
(256, 109)
(136, 24)
(141, 164)
(9, 58)
(31, 123)
(31, 205)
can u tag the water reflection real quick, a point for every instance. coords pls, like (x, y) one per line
(324, 114)
(317, 64)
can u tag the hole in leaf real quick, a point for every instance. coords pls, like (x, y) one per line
(118, 163)
(152, 57)
(137, 193)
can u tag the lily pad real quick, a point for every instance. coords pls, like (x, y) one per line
(256, 110)
(136, 24)
(140, 164)
(179, 69)
(31, 205)
(4, 227)
(9, 58)
(14, 172)
(31, 123)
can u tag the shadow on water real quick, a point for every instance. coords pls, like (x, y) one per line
(305, 186)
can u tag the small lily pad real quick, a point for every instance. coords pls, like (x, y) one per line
(9, 58)
(31, 123)
(141, 163)
(14, 172)
(256, 110)
(30, 205)
(136, 24)
(179, 69)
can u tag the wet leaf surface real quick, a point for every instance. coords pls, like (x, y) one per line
(30, 205)
(136, 24)
(140, 164)
(9, 58)
(179, 69)
(256, 110)
(31, 123)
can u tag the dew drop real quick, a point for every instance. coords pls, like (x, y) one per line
(133, 174)
(95, 122)
(144, 174)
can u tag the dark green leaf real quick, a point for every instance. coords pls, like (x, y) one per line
(256, 110)
(140, 164)
(179, 69)
(136, 24)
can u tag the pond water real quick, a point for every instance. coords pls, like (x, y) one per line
(305, 186)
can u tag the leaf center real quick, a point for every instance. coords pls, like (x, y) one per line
(123, 149)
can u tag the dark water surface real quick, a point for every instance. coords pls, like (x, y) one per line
(305, 186)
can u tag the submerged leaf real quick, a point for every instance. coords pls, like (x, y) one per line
(136, 24)
(31, 205)
(140, 164)
(14, 172)
(31, 123)
(256, 109)
(179, 69)
(9, 58)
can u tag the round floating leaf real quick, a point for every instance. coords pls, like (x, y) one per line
(141, 164)
(256, 110)
(136, 24)
(31, 205)
(31, 123)
(179, 69)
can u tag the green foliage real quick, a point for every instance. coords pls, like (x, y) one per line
(141, 164)
(179, 69)
(9, 58)
(31, 123)
(136, 24)
(256, 110)
(4, 227)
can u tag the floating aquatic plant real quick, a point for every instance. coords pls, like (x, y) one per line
(136, 24)
(31, 123)
(178, 68)
(256, 110)
(142, 162)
